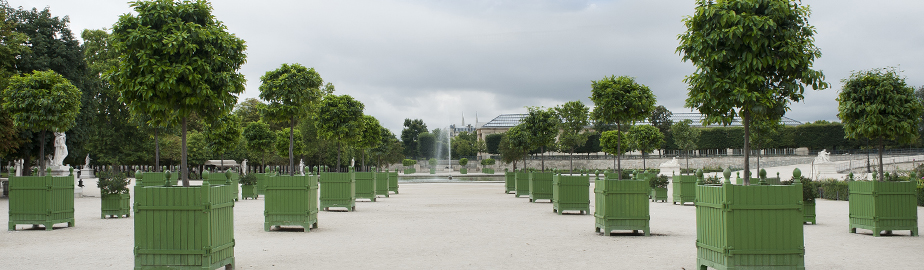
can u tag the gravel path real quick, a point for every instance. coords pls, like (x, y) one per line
(448, 226)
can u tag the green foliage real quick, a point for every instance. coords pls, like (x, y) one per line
(610, 140)
(388, 150)
(877, 104)
(573, 118)
(250, 179)
(463, 162)
(223, 134)
(432, 162)
(339, 118)
(834, 189)
(514, 145)
(749, 54)
(409, 136)
(282, 142)
(487, 162)
(290, 90)
(466, 144)
(592, 145)
(250, 110)
(685, 136)
(622, 101)
(259, 139)
(541, 126)
(176, 59)
(408, 162)
(426, 143)
(371, 132)
(492, 143)
(661, 118)
(659, 182)
(111, 183)
(644, 138)
(42, 101)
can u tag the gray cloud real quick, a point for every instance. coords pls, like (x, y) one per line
(435, 60)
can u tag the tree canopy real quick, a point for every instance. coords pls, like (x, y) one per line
(176, 59)
(645, 138)
(752, 57)
(685, 136)
(622, 101)
(572, 118)
(541, 125)
(877, 104)
(412, 129)
(340, 120)
(290, 90)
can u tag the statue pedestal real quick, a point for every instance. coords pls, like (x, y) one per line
(825, 170)
(60, 170)
(669, 169)
(86, 173)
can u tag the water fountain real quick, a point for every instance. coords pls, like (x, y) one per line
(443, 139)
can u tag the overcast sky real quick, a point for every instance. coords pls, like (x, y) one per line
(436, 60)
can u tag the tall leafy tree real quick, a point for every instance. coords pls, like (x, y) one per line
(572, 117)
(426, 145)
(877, 104)
(412, 129)
(612, 142)
(542, 127)
(622, 101)
(42, 101)
(685, 136)
(249, 110)
(223, 135)
(661, 118)
(340, 120)
(388, 150)
(515, 146)
(12, 46)
(492, 143)
(290, 90)
(466, 144)
(751, 56)
(645, 138)
(259, 139)
(175, 60)
(371, 135)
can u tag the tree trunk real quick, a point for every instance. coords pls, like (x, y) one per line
(542, 157)
(688, 160)
(747, 147)
(42, 155)
(571, 171)
(644, 167)
(183, 164)
(291, 146)
(881, 148)
(618, 151)
(156, 151)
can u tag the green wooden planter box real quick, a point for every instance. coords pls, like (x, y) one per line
(621, 205)
(684, 187)
(883, 206)
(261, 182)
(381, 184)
(510, 182)
(248, 191)
(749, 227)
(522, 184)
(808, 212)
(338, 190)
(410, 171)
(291, 201)
(540, 186)
(432, 171)
(463, 171)
(45, 200)
(153, 179)
(115, 205)
(658, 194)
(184, 227)
(365, 185)
(487, 171)
(221, 178)
(570, 193)
(393, 182)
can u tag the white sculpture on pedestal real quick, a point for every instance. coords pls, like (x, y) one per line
(823, 157)
(60, 149)
(87, 163)
(244, 166)
(19, 167)
(301, 166)
(670, 168)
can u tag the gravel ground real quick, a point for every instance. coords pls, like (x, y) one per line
(449, 226)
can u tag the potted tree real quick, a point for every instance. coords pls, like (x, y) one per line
(162, 89)
(113, 190)
(248, 182)
(45, 200)
(682, 186)
(877, 104)
(407, 166)
(487, 162)
(621, 204)
(462, 163)
(432, 163)
(749, 70)
(570, 192)
(659, 188)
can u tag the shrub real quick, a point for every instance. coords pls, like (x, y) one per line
(432, 162)
(659, 182)
(408, 162)
(248, 179)
(463, 162)
(809, 188)
(112, 183)
(834, 190)
(486, 162)
(711, 180)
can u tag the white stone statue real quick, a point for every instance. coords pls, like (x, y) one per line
(60, 149)
(87, 164)
(823, 157)
(352, 162)
(244, 166)
(673, 162)
(301, 166)
(19, 167)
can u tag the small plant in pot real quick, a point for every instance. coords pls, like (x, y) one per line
(432, 162)
(659, 188)
(462, 163)
(248, 182)
(113, 188)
